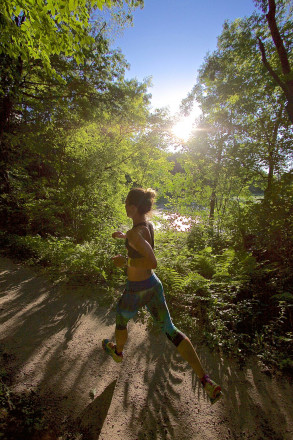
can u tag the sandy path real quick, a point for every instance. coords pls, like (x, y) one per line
(53, 338)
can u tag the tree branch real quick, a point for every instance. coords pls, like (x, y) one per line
(283, 56)
(286, 86)
(40, 98)
(110, 167)
(265, 133)
(277, 124)
(269, 67)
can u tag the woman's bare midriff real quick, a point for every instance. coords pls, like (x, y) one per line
(137, 274)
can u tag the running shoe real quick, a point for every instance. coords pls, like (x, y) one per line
(110, 349)
(212, 389)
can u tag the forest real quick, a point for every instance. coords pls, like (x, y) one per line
(76, 135)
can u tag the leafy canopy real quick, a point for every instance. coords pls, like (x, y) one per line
(34, 29)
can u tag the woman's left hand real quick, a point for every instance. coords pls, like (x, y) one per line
(118, 234)
(119, 261)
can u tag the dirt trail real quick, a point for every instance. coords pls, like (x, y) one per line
(53, 338)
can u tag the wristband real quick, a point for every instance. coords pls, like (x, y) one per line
(129, 262)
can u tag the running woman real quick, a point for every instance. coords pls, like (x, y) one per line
(144, 288)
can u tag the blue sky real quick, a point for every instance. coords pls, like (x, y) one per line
(170, 39)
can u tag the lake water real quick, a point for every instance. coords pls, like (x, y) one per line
(175, 221)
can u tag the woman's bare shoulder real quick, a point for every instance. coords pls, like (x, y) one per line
(139, 231)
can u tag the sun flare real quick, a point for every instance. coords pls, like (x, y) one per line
(184, 127)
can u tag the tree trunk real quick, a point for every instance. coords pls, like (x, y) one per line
(270, 176)
(212, 207)
(289, 96)
(273, 152)
(213, 198)
(5, 112)
(287, 84)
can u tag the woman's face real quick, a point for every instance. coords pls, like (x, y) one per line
(129, 209)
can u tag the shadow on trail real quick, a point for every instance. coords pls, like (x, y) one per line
(92, 419)
(40, 330)
(38, 310)
(159, 417)
(43, 327)
(255, 405)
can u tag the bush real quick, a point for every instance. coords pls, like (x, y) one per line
(197, 238)
(64, 259)
(204, 263)
(235, 301)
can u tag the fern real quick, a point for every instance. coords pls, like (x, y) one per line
(204, 263)
(170, 278)
(194, 283)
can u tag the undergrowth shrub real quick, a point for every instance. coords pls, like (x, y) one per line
(64, 259)
(27, 416)
(204, 263)
(197, 238)
(226, 297)
(229, 298)
(194, 283)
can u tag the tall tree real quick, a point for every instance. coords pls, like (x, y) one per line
(281, 36)
(49, 87)
(237, 100)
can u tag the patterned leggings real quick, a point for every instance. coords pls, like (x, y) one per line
(147, 293)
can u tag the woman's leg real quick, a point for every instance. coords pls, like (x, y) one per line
(126, 309)
(121, 338)
(160, 312)
(187, 351)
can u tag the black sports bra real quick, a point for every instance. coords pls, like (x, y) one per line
(132, 253)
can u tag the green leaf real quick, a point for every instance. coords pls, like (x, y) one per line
(92, 393)
(100, 4)
(72, 5)
(286, 296)
(18, 10)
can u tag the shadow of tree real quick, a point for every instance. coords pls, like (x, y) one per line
(93, 417)
(41, 323)
(158, 417)
(54, 333)
(43, 308)
(255, 406)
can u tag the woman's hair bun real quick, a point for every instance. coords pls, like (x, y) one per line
(141, 198)
(150, 193)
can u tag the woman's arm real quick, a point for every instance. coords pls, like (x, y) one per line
(119, 260)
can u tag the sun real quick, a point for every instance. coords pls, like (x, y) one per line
(184, 127)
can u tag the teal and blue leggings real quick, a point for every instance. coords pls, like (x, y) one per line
(147, 293)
